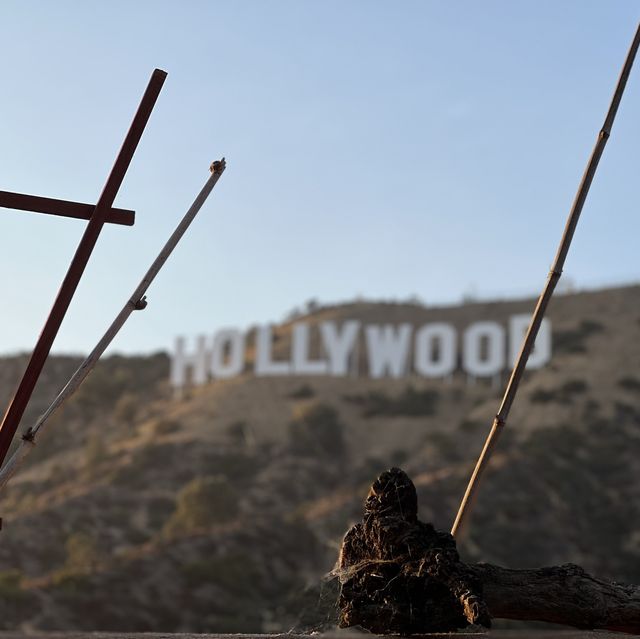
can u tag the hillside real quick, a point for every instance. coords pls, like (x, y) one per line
(222, 510)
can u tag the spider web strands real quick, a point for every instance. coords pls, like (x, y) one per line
(78, 210)
(137, 301)
(552, 279)
(18, 404)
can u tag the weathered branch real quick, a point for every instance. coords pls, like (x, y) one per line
(560, 594)
(399, 575)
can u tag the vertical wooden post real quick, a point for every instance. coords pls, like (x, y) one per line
(103, 207)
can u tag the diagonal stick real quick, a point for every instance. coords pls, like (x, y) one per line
(136, 302)
(78, 264)
(552, 279)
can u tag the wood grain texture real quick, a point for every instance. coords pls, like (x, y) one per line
(560, 594)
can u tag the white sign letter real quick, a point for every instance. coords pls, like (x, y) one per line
(432, 360)
(264, 364)
(388, 349)
(339, 346)
(492, 360)
(302, 365)
(228, 342)
(541, 353)
(198, 362)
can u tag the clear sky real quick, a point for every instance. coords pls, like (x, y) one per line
(381, 149)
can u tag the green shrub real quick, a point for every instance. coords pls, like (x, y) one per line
(574, 387)
(573, 340)
(82, 553)
(472, 426)
(70, 582)
(304, 391)
(317, 430)
(411, 402)
(235, 573)
(445, 444)
(95, 451)
(11, 590)
(164, 426)
(563, 394)
(126, 409)
(202, 503)
(239, 432)
(543, 396)
(629, 383)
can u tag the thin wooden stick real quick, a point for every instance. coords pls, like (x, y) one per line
(136, 302)
(552, 279)
(18, 404)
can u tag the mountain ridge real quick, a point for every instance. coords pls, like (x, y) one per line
(222, 510)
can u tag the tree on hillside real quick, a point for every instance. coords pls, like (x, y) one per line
(202, 503)
(82, 553)
(317, 430)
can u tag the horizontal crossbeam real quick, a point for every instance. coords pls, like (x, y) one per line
(64, 208)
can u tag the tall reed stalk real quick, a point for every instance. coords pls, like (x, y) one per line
(554, 275)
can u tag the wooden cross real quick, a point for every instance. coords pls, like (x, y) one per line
(103, 212)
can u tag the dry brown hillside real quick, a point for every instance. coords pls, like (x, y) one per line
(222, 511)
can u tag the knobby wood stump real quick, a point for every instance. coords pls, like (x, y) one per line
(399, 575)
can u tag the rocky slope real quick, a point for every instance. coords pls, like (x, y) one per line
(222, 511)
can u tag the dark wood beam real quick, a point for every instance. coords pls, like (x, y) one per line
(87, 243)
(78, 210)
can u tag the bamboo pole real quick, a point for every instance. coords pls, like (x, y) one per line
(552, 279)
(136, 302)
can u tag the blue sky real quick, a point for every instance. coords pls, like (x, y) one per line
(374, 148)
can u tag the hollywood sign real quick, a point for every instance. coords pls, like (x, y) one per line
(434, 350)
